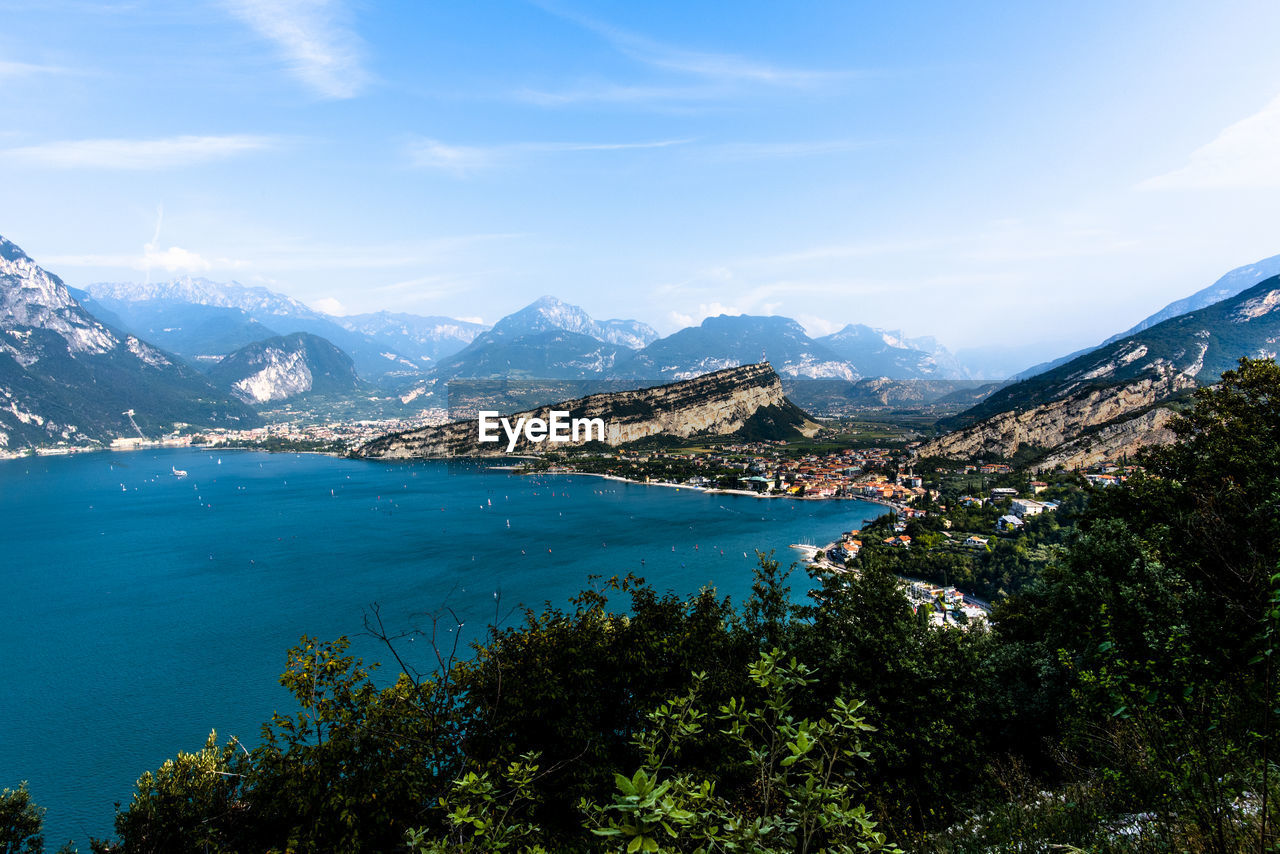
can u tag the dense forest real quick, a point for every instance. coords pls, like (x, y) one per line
(1121, 699)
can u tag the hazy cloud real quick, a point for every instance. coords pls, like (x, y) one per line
(770, 150)
(136, 153)
(22, 69)
(315, 39)
(616, 93)
(1245, 155)
(706, 64)
(465, 159)
(329, 305)
(173, 259)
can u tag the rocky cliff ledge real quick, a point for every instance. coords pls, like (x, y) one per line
(742, 400)
(1120, 438)
(1072, 421)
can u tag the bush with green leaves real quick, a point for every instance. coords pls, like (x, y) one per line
(20, 822)
(484, 815)
(189, 803)
(802, 795)
(801, 798)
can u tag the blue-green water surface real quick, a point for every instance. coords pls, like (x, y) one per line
(140, 609)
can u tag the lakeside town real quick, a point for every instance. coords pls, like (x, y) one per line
(959, 535)
(331, 437)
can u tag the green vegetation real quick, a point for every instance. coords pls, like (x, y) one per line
(20, 822)
(1008, 562)
(1124, 699)
(281, 444)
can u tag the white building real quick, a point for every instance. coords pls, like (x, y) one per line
(1024, 507)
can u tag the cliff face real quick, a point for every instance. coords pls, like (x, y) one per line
(1055, 424)
(1122, 438)
(283, 367)
(716, 404)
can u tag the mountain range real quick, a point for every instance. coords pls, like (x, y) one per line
(203, 321)
(1232, 283)
(730, 340)
(72, 363)
(1118, 396)
(65, 376)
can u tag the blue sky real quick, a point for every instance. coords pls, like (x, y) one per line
(1044, 173)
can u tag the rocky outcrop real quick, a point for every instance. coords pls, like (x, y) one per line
(283, 367)
(1052, 425)
(1119, 439)
(742, 399)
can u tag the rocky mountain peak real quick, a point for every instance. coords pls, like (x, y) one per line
(66, 377)
(549, 312)
(31, 298)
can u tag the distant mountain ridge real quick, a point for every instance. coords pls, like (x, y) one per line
(203, 321)
(549, 339)
(878, 353)
(549, 313)
(1233, 282)
(200, 291)
(1230, 284)
(425, 338)
(1123, 380)
(730, 340)
(67, 377)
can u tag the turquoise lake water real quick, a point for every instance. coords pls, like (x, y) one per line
(140, 610)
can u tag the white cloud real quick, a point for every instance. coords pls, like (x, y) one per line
(614, 93)
(175, 259)
(1245, 155)
(717, 65)
(315, 39)
(715, 309)
(458, 159)
(770, 150)
(465, 159)
(137, 154)
(706, 64)
(329, 305)
(22, 69)
(817, 326)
